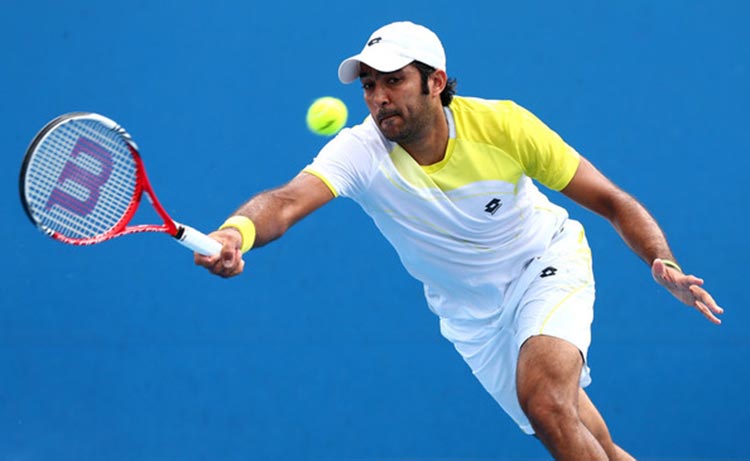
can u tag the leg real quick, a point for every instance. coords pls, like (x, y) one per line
(595, 424)
(547, 380)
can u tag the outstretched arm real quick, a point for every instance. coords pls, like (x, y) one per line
(641, 233)
(272, 212)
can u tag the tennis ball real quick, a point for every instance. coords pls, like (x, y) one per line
(326, 116)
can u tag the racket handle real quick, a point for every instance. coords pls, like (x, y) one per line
(197, 240)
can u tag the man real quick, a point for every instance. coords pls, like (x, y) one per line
(448, 181)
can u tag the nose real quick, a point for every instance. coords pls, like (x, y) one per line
(380, 96)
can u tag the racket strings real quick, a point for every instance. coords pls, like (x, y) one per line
(81, 180)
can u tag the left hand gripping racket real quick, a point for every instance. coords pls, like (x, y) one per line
(82, 181)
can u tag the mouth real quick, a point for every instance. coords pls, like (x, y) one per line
(382, 116)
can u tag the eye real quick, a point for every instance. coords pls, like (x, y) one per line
(366, 86)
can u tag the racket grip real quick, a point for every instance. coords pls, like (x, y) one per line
(197, 240)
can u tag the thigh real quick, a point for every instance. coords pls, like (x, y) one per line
(559, 305)
(549, 367)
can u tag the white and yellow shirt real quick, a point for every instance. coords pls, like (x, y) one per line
(467, 226)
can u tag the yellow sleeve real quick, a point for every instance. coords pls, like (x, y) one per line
(542, 152)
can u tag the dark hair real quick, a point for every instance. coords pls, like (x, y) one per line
(450, 88)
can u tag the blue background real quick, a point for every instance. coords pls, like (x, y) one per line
(324, 348)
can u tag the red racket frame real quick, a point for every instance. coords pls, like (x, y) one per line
(142, 184)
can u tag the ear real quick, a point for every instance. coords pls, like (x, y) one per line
(438, 81)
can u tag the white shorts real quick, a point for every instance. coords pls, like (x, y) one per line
(558, 301)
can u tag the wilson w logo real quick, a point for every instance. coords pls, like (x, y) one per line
(77, 179)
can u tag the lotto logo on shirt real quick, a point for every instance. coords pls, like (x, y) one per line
(493, 206)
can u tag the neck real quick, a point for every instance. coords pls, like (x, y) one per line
(429, 148)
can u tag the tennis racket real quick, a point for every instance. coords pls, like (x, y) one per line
(82, 181)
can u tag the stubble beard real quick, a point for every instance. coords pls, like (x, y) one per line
(403, 135)
(411, 130)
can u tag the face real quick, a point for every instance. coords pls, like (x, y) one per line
(396, 102)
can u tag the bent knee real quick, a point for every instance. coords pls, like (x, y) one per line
(547, 412)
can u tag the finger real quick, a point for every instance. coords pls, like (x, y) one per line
(225, 270)
(707, 313)
(706, 298)
(679, 278)
(228, 254)
(205, 261)
(237, 270)
(218, 267)
(209, 261)
(693, 280)
(658, 270)
(229, 272)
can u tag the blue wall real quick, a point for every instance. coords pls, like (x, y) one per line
(324, 348)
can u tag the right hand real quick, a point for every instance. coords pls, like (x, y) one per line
(228, 262)
(688, 289)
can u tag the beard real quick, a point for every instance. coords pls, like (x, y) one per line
(410, 129)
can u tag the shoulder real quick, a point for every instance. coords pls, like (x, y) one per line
(364, 138)
(493, 112)
(348, 162)
(503, 118)
(485, 120)
(471, 105)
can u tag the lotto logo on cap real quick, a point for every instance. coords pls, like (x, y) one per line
(394, 46)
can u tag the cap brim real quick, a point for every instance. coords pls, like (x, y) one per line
(349, 69)
(383, 60)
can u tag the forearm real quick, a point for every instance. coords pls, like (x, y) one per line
(639, 229)
(274, 211)
(641, 233)
(632, 221)
(266, 211)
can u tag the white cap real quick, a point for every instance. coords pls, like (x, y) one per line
(392, 47)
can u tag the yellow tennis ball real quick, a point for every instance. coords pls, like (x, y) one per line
(326, 116)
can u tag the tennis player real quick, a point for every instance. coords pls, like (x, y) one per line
(450, 182)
